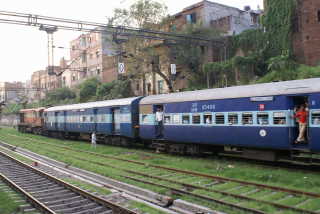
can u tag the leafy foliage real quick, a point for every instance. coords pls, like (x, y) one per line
(60, 94)
(114, 90)
(88, 90)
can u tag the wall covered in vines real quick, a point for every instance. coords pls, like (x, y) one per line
(272, 40)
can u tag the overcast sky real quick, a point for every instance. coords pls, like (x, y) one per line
(23, 50)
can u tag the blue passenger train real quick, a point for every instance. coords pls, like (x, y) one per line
(254, 120)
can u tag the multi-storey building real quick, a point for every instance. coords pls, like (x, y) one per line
(42, 82)
(91, 55)
(11, 92)
(225, 19)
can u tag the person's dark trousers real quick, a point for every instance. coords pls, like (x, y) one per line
(159, 129)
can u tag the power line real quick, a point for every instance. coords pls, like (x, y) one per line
(34, 20)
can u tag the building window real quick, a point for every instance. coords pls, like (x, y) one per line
(191, 18)
(318, 15)
(138, 87)
(196, 119)
(149, 87)
(160, 86)
(97, 54)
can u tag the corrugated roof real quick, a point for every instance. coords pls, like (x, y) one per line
(117, 102)
(258, 90)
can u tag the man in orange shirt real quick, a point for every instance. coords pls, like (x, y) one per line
(302, 116)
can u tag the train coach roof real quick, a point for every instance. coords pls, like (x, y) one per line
(118, 102)
(258, 90)
(32, 109)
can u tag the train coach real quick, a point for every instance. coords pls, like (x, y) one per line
(255, 120)
(106, 118)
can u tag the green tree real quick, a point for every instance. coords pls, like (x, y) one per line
(140, 53)
(88, 90)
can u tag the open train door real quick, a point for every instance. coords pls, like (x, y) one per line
(294, 103)
(116, 120)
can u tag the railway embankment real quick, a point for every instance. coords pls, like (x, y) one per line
(218, 183)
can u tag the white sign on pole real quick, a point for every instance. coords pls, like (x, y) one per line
(121, 69)
(173, 69)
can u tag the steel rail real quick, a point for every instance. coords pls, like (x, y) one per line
(37, 204)
(190, 186)
(296, 192)
(198, 196)
(115, 208)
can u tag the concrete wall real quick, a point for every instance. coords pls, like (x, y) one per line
(9, 120)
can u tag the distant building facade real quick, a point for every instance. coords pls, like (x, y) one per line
(306, 42)
(42, 82)
(225, 19)
(91, 55)
(11, 92)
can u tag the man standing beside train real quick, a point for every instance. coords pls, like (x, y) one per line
(302, 117)
(159, 120)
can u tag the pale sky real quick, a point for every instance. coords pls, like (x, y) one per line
(23, 50)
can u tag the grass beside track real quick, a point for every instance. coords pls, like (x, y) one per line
(7, 205)
(215, 166)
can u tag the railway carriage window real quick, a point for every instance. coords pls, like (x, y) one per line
(219, 118)
(315, 118)
(91, 119)
(279, 118)
(83, 119)
(208, 119)
(167, 119)
(176, 119)
(247, 119)
(185, 119)
(196, 119)
(103, 118)
(233, 118)
(263, 119)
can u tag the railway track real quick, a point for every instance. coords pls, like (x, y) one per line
(49, 194)
(235, 194)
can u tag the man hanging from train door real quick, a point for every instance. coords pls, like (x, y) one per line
(302, 118)
(159, 120)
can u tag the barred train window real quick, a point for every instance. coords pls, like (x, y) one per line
(279, 118)
(167, 119)
(196, 119)
(185, 119)
(219, 118)
(263, 119)
(208, 119)
(233, 118)
(247, 119)
(176, 119)
(315, 118)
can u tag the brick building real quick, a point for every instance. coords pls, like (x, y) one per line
(306, 40)
(225, 19)
(11, 92)
(91, 55)
(42, 82)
